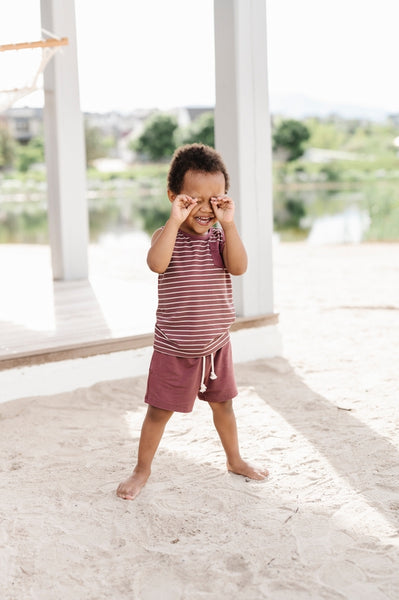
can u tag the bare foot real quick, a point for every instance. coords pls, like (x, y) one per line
(252, 471)
(129, 489)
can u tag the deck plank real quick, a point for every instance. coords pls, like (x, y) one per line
(43, 320)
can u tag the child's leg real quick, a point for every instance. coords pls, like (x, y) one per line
(151, 434)
(225, 423)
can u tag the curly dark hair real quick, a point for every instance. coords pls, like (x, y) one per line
(195, 157)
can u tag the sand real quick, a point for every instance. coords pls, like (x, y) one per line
(323, 418)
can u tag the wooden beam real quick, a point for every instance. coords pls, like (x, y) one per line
(71, 351)
(50, 43)
(107, 346)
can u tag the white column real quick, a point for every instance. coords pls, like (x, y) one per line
(65, 148)
(242, 130)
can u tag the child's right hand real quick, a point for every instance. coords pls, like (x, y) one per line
(182, 205)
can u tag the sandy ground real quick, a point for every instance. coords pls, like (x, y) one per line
(323, 418)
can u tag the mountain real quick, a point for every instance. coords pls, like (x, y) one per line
(298, 106)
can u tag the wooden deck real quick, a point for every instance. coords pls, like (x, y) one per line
(43, 321)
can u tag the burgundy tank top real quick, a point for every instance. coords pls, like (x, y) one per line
(195, 299)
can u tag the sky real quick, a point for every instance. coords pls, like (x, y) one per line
(160, 53)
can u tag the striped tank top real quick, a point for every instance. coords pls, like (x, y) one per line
(195, 298)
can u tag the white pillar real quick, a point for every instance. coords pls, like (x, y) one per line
(65, 148)
(242, 130)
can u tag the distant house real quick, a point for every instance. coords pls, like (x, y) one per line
(323, 155)
(123, 127)
(115, 123)
(25, 123)
(184, 116)
(187, 114)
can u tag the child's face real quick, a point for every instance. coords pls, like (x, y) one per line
(201, 186)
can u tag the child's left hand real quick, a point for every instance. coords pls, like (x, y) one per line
(223, 207)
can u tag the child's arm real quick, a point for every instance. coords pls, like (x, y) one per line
(234, 254)
(163, 240)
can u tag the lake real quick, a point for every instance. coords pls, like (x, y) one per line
(341, 214)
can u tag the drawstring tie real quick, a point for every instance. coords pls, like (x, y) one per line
(212, 375)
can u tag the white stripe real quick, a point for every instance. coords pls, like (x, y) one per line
(195, 291)
(178, 328)
(189, 298)
(185, 274)
(194, 352)
(198, 281)
(188, 312)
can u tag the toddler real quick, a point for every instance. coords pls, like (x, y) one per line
(194, 254)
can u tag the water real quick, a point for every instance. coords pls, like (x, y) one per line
(358, 213)
(347, 227)
(117, 208)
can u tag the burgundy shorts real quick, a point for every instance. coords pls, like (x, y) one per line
(174, 382)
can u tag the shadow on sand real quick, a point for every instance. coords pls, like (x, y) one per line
(366, 460)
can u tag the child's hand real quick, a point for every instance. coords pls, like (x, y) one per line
(224, 209)
(182, 205)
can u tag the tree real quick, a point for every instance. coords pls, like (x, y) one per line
(288, 138)
(326, 134)
(30, 154)
(7, 147)
(97, 145)
(158, 138)
(201, 130)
